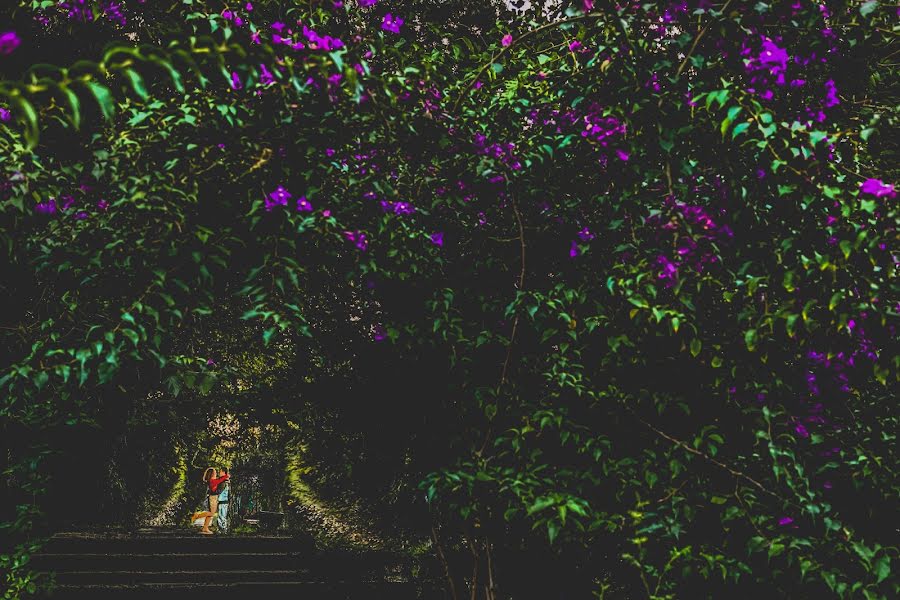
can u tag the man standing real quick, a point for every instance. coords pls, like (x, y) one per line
(222, 516)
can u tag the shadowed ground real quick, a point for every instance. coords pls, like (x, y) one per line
(177, 563)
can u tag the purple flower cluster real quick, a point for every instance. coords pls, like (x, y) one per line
(584, 235)
(692, 249)
(9, 41)
(314, 41)
(601, 129)
(392, 23)
(397, 208)
(504, 153)
(279, 197)
(358, 238)
(82, 10)
(877, 188)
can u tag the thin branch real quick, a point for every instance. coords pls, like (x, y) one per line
(697, 39)
(515, 325)
(721, 465)
(444, 563)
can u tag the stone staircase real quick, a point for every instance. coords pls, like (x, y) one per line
(181, 564)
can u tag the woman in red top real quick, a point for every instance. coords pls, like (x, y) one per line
(212, 482)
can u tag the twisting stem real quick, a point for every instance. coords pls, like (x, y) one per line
(515, 325)
(521, 287)
(697, 39)
(475, 560)
(712, 460)
(444, 563)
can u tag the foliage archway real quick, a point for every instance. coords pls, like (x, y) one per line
(628, 268)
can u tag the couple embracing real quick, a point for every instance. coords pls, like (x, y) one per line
(217, 484)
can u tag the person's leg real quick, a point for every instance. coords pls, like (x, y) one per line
(213, 510)
(222, 519)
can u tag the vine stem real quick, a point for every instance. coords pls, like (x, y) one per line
(697, 39)
(444, 563)
(515, 325)
(708, 458)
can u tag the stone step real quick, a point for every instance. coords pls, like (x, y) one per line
(143, 576)
(253, 590)
(168, 562)
(172, 543)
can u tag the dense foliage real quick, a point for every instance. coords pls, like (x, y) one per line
(610, 288)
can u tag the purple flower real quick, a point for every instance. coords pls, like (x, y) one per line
(303, 204)
(358, 238)
(669, 270)
(9, 41)
(877, 188)
(102, 204)
(248, 7)
(391, 23)
(774, 57)
(573, 249)
(326, 213)
(437, 238)
(379, 333)
(623, 156)
(831, 98)
(236, 81)
(47, 207)
(506, 40)
(585, 235)
(367, 3)
(81, 215)
(279, 197)
(265, 75)
(210, 362)
(5, 115)
(785, 521)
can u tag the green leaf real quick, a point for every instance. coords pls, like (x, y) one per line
(132, 335)
(137, 83)
(104, 98)
(739, 129)
(540, 504)
(835, 300)
(74, 104)
(552, 530)
(696, 346)
(882, 568)
(750, 339)
(868, 7)
(846, 246)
